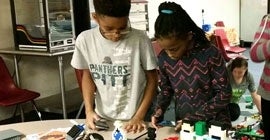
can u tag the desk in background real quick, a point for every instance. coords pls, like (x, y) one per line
(15, 53)
(44, 126)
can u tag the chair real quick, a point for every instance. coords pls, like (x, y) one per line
(79, 80)
(224, 40)
(11, 94)
(226, 55)
(219, 24)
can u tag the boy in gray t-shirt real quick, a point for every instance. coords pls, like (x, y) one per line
(119, 67)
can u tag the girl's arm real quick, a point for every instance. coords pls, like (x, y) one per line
(257, 100)
(260, 48)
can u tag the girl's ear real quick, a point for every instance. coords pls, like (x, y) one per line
(190, 35)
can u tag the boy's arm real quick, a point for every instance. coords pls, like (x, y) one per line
(136, 124)
(260, 48)
(149, 92)
(88, 91)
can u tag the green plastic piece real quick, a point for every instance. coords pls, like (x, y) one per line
(200, 128)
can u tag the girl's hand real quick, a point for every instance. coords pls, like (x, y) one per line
(154, 121)
(135, 125)
(154, 118)
(178, 126)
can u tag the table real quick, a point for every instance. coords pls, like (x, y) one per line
(44, 126)
(59, 54)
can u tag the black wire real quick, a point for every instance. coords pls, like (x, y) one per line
(141, 135)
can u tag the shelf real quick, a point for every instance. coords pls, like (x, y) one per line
(139, 15)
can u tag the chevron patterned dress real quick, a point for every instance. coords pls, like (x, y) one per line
(199, 84)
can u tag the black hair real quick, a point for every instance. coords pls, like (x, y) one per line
(113, 8)
(238, 62)
(173, 21)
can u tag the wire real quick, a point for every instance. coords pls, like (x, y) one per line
(140, 136)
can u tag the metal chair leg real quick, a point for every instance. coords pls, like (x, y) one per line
(22, 112)
(35, 107)
(80, 111)
(15, 111)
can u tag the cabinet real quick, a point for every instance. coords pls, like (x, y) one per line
(139, 15)
(43, 25)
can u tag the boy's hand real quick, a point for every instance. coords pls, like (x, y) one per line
(90, 119)
(135, 125)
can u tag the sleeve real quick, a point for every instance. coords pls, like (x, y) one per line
(260, 48)
(251, 83)
(166, 92)
(78, 60)
(148, 58)
(221, 90)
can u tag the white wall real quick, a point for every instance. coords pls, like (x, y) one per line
(41, 73)
(248, 26)
(37, 73)
(214, 10)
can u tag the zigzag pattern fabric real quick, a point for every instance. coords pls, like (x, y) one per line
(198, 82)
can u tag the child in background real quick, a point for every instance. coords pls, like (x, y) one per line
(119, 67)
(241, 80)
(192, 70)
(260, 52)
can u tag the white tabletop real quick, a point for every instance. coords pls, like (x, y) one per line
(44, 126)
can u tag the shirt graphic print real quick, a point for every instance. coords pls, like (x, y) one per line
(115, 76)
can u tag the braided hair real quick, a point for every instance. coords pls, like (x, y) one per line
(173, 21)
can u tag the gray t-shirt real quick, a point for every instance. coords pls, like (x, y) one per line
(240, 89)
(117, 69)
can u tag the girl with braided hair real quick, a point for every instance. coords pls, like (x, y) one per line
(192, 71)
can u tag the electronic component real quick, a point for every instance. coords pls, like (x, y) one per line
(101, 124)
(74, 132)
(91, 136)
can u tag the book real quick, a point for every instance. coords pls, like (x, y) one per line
(10, 134)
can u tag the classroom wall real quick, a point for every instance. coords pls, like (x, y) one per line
(248, 26)
(37, 73)
(41, 73)
(214, 10)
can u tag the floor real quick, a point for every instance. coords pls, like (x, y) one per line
(254, 68)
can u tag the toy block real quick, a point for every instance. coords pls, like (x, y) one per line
(200, 128)
(187, 131)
